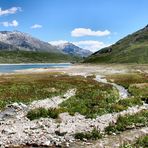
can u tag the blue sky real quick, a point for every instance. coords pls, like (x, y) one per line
(91, 24)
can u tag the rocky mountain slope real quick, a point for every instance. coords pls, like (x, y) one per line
(72, 49)
(131, 49)
(18, 47)
(15, 40)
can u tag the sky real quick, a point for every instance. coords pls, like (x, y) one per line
(90, 24)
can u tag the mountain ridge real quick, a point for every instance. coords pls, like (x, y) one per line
(18, 47)
(131, 49)
(72, 49)
(25, 42)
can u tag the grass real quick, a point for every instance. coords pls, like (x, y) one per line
(128, 79)
(35, 57)
(128, 121)
(136, 83)
(125, 103)
(141, 142)
(44, 113)
(93, 135)
(29, 87)
(26, 88)
(92, 98)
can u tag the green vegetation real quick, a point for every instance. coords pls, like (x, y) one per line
(93, 135)
(44, 113)
(137, 84)
(53, 113)
(92, 98)
(35, 57)
(131, 49)
(127, 79)
(125, 103)
(29, 87)
(142, 142)
(128, 121)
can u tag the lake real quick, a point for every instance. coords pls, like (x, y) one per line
(9, 68)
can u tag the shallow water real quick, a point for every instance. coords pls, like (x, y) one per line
(8, 68)
(123, 93)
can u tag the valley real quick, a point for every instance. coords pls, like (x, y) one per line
(73, 74)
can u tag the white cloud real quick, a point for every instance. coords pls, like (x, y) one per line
(79, 32)
(12, 10)
(86, 44)
(91, 45)
(35, 26)
(14, 23)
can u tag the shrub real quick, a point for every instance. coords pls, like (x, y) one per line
(142, 142)
(93, 135)
(44, 113)
(139, 119)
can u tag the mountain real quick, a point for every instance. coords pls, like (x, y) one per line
(72, 49)
(18, 47)
(131, 49)
(23, 41)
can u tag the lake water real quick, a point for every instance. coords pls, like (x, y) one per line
(8, 68)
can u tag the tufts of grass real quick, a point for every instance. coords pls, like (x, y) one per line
(129, 121)
(44, 113)
(141, 142)
(139, 90)
(136, 83)
(125, 103)
(93, 135)
(90, 100)
(127, 79)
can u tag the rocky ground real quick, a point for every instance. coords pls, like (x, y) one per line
(17, 130)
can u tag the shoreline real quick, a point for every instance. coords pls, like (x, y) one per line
(31, 63)
(104, 69)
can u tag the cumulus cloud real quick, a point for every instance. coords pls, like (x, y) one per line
(86, 44)
(79, 32)
(12, 10)
(36, 26)
(14, 23)
(91, 45)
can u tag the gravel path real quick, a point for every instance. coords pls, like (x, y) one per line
(114, 141)
(52, 102)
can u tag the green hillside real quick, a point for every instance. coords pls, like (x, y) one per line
(35, 57)
(131, 49)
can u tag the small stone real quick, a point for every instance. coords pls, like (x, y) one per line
(47, 143)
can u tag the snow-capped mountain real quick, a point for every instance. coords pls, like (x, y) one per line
(72, 49)
(15, 40)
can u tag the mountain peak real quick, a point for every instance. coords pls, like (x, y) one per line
(146, 26)
(72, 49)
(25, 42)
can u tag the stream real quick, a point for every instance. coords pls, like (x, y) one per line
(123, 93)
